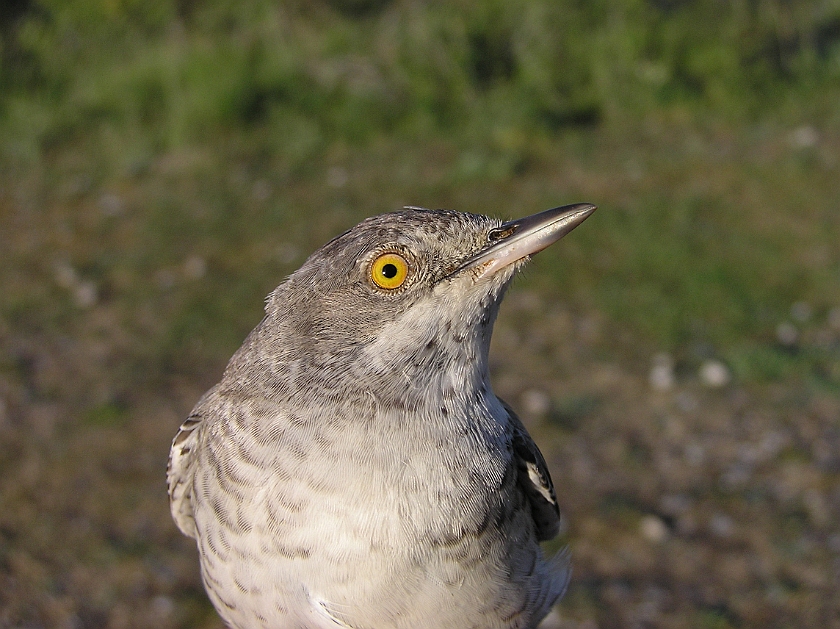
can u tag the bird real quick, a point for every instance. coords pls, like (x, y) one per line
(353, 467)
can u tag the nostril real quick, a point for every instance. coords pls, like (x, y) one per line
(500, 232)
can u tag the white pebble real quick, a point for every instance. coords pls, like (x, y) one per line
(85, 294)
(653, 529)
(715, 374)
(535, 402)
(787, 334)
(110, 204)
(661, 375)
(804, 137)
(195, 267)
(772, 443)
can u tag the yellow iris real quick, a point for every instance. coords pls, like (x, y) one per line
(389, 270)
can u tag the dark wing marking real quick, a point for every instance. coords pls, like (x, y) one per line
(179, 471)
(534, 479)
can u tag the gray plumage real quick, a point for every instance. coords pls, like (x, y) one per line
(353, 467)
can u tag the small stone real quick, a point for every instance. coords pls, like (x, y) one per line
(85, 294)
(787, 334)
(195, 267)
(661, 375)
(804, 137)
(535, 402)
(772, 443)
(714, 374)
(110, 204)
(653, 529)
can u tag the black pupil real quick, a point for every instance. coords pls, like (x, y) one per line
(389, 271)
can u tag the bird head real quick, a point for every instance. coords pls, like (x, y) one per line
(407, 293)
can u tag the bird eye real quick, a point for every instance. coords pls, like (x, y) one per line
(389, 270)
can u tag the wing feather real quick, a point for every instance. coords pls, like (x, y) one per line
(534, 479)
(179, 471)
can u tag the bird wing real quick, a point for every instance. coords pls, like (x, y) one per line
(534, 479)
(179, 471)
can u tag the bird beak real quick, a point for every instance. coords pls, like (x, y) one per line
(518, 239)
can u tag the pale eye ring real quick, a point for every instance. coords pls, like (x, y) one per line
(389, 270)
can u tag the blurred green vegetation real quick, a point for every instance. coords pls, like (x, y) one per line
(307, 74)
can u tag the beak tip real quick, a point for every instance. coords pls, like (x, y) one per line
(524, 237)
